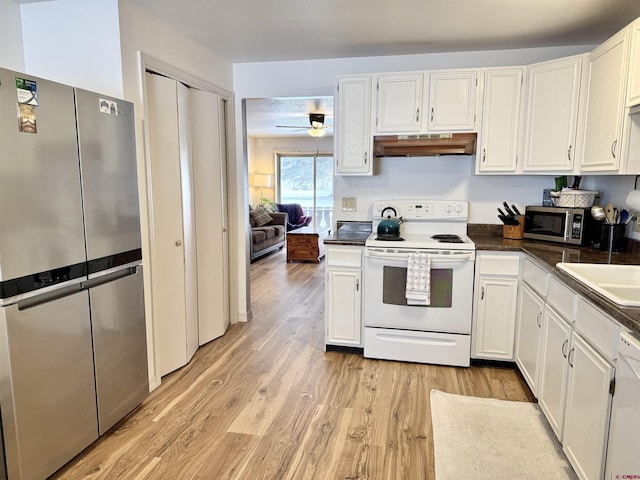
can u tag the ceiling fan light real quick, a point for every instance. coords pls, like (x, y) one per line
(316, 132)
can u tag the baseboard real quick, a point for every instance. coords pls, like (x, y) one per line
(481, 362)
(344, 349)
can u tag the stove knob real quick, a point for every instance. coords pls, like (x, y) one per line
(459, 208)
(448, 208)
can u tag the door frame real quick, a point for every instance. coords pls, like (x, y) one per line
(150, 63)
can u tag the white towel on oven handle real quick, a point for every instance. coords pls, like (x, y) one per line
(418, 288)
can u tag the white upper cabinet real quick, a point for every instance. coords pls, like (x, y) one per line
(553, 97)
(498, 148)
(399, 102)
(633, 89)
(353, 139)
(607, 79)
(452, 100)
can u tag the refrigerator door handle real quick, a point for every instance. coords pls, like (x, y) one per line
(49, 297)
(109, 277)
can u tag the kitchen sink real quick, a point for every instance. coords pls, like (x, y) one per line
(618, 283)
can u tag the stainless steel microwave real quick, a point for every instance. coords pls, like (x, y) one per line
(574, 226)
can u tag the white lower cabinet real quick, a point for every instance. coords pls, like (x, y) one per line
(494, 305)
(586, 424)
(343, 296)
(554, 368)
(568, 364)
(530, 309)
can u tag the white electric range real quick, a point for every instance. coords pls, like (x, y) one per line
(438, 332)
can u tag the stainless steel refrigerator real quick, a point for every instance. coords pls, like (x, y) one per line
(73, 356)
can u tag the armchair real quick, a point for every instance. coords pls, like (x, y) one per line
(297, 218)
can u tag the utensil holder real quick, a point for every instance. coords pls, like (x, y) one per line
(514, 232)
(613, 239)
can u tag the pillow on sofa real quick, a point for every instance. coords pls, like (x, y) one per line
(259, 216)
(252, 222)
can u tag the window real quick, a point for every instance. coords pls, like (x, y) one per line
(307, 179)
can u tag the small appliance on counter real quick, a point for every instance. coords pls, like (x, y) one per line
(574, 226)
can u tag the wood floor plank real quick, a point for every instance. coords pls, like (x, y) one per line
(265, 401)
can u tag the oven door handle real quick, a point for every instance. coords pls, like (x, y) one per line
(452, 257)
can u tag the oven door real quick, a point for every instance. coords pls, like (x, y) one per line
(385, 305)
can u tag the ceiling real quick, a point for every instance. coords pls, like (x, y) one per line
(280, 30)
(265, 114)
(270, 30)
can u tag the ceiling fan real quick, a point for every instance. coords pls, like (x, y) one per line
(316, 120)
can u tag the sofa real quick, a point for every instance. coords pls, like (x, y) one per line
(297, 218)
(266, 235)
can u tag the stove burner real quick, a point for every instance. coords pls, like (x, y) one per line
(390, 238)
(447, 238)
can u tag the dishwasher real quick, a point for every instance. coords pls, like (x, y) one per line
(623, 459)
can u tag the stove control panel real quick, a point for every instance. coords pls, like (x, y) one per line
(452, 210)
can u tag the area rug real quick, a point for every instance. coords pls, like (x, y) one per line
(485, 438)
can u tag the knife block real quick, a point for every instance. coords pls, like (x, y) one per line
(514, 232)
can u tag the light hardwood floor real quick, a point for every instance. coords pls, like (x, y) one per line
(266, 402)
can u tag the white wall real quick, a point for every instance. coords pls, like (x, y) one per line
(317, 77)
(448, 177)
(74, 42)
(433, 177)
(11, 49)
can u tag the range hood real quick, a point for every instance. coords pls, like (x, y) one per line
(424, 145)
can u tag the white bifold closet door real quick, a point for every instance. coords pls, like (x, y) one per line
(209, 152)
(189, 268)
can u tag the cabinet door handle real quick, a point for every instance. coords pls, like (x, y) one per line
(178, 243)
(564, 345)
(539, 319)
(569, 154)
(569, 358)
(365, 158)
(482, 293)
(613, 148)
(484, 155)
(418, 114)
(432, 114)
(357, 285)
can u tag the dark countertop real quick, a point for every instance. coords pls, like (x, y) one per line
(349, 233)
(546, 255)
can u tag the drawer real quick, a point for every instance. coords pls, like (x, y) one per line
(344, 257)
(492, 264)
(600, 330)
(534, 276)
(562, 298)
